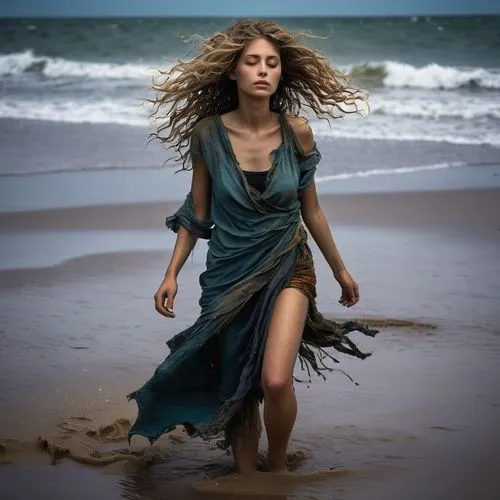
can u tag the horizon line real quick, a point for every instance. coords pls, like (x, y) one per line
(291, 16)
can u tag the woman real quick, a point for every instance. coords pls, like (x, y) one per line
(253, 160)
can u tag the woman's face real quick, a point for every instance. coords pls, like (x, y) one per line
(258, 69)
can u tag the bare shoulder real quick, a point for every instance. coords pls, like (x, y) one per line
(303, 132)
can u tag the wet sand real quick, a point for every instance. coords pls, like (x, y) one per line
(447, 208)
(80, 331)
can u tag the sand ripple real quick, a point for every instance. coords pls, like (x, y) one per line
(80, 442)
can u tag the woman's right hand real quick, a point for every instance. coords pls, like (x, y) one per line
(164, 297)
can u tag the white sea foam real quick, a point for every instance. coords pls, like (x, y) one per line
(448, 106)
(418, 113)
(391, 132)
(129, 112)
(387, 171)
(387, 73)
(27, 62)
(432, 76)
(123, 112)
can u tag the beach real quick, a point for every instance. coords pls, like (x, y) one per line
(80, 333)
(412, 196)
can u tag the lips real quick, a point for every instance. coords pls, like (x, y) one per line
(262, 82)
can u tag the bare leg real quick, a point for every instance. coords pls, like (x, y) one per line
(246, 445)
(283, 342)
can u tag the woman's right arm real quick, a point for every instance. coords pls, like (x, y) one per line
(201, 187)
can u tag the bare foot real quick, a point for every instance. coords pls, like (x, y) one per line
(276, 468)
(279, 471)
(246, 469)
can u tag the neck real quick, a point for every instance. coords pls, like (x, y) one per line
(254, 114)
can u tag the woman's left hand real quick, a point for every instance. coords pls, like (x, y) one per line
(350, 289)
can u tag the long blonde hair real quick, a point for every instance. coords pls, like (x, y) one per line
(192, 90)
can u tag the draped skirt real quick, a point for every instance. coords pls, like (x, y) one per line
(210, 381)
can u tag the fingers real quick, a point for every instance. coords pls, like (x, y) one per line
(170, 304)
(355, 295)
(351, 301)
(164, 305)
(350, 296)
(160, 305)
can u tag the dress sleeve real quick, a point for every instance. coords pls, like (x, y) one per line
(195, 146)
(185, 216)
(307, 167)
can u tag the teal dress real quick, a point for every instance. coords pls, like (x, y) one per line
(211, 376)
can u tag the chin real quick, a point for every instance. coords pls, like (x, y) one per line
(261, 92)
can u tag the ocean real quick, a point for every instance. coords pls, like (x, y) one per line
(431, 79)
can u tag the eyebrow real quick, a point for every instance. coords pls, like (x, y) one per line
(258, 56)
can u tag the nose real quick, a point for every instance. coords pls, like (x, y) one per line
(262, 69)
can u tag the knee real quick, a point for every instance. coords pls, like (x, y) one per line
(275, 386)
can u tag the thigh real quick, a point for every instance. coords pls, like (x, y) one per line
(284, 335)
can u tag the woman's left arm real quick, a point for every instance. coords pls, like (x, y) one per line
(316, 222)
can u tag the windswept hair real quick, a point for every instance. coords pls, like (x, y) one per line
(201, 87)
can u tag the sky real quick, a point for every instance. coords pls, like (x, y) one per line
(242, 8)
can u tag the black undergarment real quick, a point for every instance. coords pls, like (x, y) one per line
(256, 179)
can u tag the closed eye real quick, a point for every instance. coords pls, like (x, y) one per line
(271, 62)
(271, 65)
